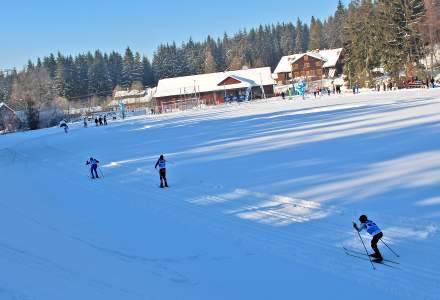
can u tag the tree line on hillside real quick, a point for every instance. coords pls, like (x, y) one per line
(98, 74)
(394, 34)
(398, 35)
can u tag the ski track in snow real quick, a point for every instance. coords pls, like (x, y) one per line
(284, 217)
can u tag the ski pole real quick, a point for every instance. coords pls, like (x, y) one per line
(390, 248)
(88, 171)
(366, 251)
(102, 175)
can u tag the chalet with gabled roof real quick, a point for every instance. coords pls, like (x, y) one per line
(313, 65)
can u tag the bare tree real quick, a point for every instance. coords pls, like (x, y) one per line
(32, 92)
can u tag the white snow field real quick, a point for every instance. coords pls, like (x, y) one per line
(261, 202)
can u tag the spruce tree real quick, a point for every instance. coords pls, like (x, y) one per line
(147, 72)
(299, 37)
(99, 83)
(336, 39)
(137, 72)
(287, 39)
(50, 64)
(115, 68)
(82, 69)
(127, 69)
(316, 34)
(402, 46)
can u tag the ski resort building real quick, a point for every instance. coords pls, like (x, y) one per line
(8, 119)
(313, 65)
(214, 88)
(133, 99)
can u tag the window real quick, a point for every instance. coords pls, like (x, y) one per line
(306, 65)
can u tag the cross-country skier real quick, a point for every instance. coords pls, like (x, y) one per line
(63, 124)
(374, 231)
(93, 167)
(161, 162)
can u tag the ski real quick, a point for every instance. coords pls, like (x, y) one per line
(367, 259)
(363, 254)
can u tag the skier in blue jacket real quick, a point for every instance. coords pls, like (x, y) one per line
(161, 162)
(374, 231)
(93, 167)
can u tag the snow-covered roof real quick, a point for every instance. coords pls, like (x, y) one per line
(129, 94)
(210, 82)
(2, 104)
(330, 58)
(133, 97)
(285, 64)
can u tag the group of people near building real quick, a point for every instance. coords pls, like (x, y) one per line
(99, 121)
(384, 86)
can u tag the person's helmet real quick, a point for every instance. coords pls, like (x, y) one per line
(161, 156)
(91, 158)
(363, 218)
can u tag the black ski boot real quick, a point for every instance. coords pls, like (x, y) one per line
(376, 257)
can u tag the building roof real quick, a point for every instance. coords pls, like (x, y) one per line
(129, 94)
(4, 105)
(133, 97)
(330, 58)
(212, 82)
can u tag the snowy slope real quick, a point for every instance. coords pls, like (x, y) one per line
(261, 202)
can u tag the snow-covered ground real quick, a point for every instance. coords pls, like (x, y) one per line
(261, 202)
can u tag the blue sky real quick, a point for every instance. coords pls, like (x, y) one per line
(31, 29)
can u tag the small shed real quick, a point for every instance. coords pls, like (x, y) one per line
(8, 119)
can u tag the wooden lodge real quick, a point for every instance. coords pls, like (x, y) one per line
(213, 88)
(312, 66)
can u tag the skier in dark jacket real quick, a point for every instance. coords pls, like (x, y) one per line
(63, 124)
(93, 167)
(161, 162)
(374, 231)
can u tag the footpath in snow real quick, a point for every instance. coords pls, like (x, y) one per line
(260, 204)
